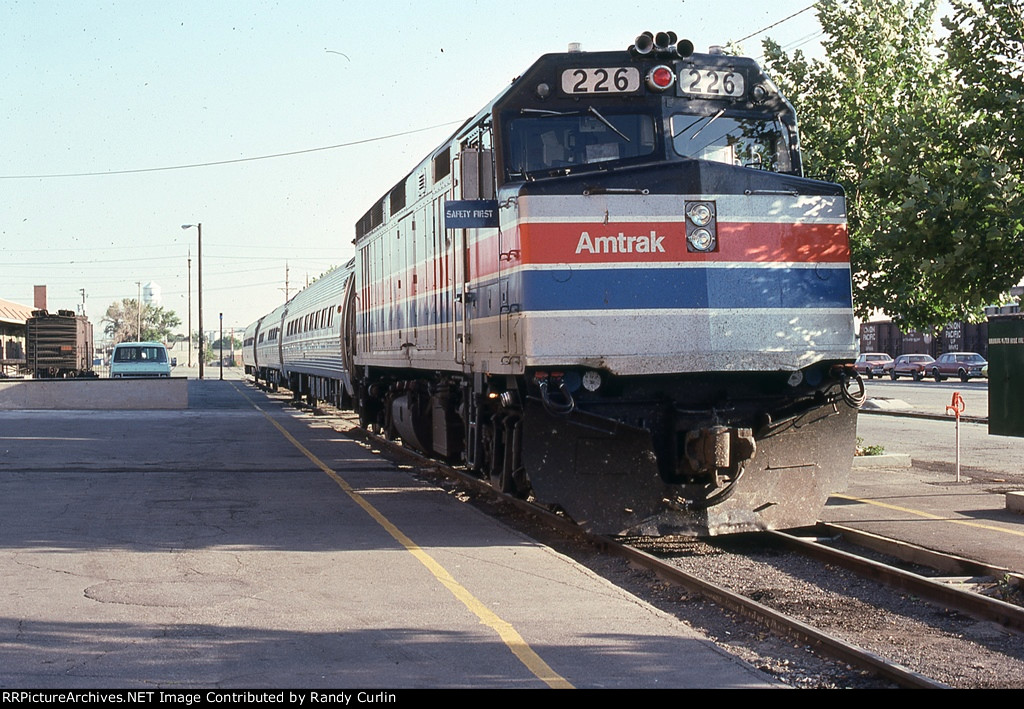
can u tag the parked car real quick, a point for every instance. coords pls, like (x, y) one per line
(139, 359)
(873, 364)
(957, 364)
(911, 365)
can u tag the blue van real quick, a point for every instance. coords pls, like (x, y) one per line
(140, 359)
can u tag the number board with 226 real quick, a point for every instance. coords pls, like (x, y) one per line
(711, 82)
(601, 80)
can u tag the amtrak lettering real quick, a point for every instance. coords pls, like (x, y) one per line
(620, 244)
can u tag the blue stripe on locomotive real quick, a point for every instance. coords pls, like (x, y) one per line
(688, 288)
(730, 288)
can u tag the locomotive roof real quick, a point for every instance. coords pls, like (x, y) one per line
(523, 88)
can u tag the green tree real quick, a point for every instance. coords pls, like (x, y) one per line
(985, 48)
(121, 322)
(933, 225)
(985, 51)
(230, 342)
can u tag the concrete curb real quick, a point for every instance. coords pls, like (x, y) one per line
(917, 415)
(886, 460)
(94, 394)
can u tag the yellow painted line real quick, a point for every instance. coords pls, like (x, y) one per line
(929, 515)
(508, 634)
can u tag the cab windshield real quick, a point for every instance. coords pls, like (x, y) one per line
(761, 143)
(546, 143)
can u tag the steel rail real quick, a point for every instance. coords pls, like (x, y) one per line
(963, 600)
(780, 623)
(915, 554)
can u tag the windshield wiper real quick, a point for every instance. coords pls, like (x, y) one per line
(590, 109)
(686, 128)
(598, 116)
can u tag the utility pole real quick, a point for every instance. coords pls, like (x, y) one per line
(190, 307)
(138, 310)
(199, 257)
(286, 293)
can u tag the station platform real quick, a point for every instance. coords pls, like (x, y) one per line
(924, 504)
(242, 543)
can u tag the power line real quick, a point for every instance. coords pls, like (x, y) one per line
(774, 24)
(74, 263)
(229, 162)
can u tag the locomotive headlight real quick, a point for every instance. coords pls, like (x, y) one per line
(701, 227)
(591, 380)
(701, 213)
(701, 240)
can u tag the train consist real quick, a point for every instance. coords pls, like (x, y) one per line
(58, 345)
(612, 289)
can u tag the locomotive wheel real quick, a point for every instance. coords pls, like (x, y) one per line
(495, 463)
(502, 480)
(501, 457)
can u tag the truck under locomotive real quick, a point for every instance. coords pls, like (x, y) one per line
(612, 289)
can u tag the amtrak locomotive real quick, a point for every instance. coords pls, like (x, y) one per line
(611, 289)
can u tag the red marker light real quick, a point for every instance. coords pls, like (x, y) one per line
(660, 78)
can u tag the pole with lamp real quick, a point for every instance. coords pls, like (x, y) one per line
(190, 307)
(222, 346)
(138, 310)
(199, 269)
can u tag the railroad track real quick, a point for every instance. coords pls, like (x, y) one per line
(946, 579)
(812, 544)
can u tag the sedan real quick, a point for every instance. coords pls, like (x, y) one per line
(957, 364)
(873, 364)
(911, 365)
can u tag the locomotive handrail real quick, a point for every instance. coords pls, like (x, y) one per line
(790, 193)
(597, 189)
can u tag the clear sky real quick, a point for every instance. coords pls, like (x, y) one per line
(111, 114)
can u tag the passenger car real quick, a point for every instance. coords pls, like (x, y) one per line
(139, 359)
(957, 364)
(873, 364)
(910, 365)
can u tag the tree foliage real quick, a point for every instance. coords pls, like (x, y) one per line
(230, 342)
(911, 128)
(121, 322)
